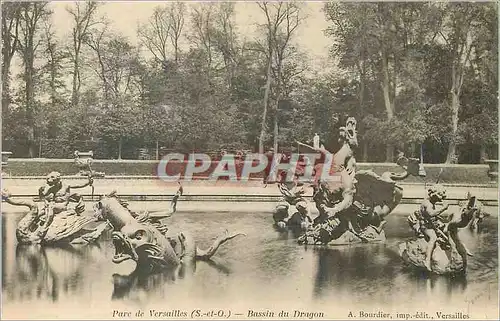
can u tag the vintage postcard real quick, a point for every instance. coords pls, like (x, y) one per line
(249, 160)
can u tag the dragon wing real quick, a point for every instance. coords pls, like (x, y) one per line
(372, 189)
(65, 226)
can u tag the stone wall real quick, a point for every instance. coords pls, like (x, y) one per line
(452, 174)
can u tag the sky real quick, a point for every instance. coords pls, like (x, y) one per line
(126, 15)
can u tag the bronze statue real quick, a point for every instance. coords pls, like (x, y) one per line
(292, 194)
(57, 218)
(57, 191)
(43, 224)
(352, 206)
(437, 246)
(147, 243)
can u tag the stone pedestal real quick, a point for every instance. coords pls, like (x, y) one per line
(493, 170)
(5, 160)
(413, 253)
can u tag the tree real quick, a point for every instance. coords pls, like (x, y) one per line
(478, 117)
(460, 30)
(96, 41)
(202, 31)
(10, 39)
(116, 67)
(31, 16)
(176, 14)
(52, 70)
(84, 18)
(51, 80)
(282, 20)
(381, 44)
(225, 38)
(155, 34)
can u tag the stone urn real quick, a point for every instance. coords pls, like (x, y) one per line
(84, 155)
(492, 170)
(83, 161)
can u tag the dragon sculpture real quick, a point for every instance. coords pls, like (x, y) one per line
(145, 240)
(353, 204)
(450, 254)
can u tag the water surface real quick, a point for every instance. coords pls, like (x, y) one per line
(264, 270)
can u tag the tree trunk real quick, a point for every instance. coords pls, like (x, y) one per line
(457, 78)
(275, 131)
(176, 49)
(361, 98)
(10, 44)
(278, 98)
(365, 152)
(389, 108)
(120, 148)
(28, 80)
(483, 155)
(74, 93)
(452, 147)
(266, 103)
(6, 84)
(413, 149)
(53, 75)
(389, 153)
(40, 148)
(5, 95)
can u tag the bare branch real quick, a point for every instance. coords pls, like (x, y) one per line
(155, 35)
(176, 15)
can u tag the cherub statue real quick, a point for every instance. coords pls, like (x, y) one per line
(60, 193)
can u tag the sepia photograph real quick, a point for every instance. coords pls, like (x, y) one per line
(249, 160)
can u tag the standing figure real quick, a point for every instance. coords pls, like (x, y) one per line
(316, 141)
(428, 217)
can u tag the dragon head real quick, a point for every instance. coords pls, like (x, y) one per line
(143, 244)
(134, 238)
(348, 134)
(126, 241)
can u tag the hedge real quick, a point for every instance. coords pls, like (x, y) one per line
(453, 173)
